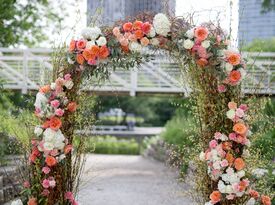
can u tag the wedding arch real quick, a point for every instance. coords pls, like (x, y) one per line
(214, 72)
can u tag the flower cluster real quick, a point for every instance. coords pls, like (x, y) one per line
(225, 158)
(134, 36)
(49, 147)
(91, 49)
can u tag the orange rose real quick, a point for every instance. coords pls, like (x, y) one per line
(229, 157)
(146, 27)
(138, 34)
(72, 106)
(32, 201)
(80, 59)
(233, 58)
(55, 123)
(72, 45)
(201, 33)
(127, 27)
(103, 52)
(240, 128)
(239, 164)
(235, 76)
(215, 197)
(254, 194)
(266, 200)
(45, 89)
(81, 44)
(87, 54)
(202, 62)
(137, 25)
(144, 41)
(95, 50)
(242, 186)
(226, 145)
(46, 124)
(50, 161)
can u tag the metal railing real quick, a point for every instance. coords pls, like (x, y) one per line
(27, 69)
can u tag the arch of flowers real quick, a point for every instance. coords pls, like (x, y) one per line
(214, 73)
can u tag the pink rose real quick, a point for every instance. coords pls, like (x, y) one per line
(46, 170)
(26, 184)
(55, 103)
(218, 135)
(52, 183)
(45, 192)
(81, 44)
(92, 62)
(74, 202)
(46, 183)
(213, 144)
(124, 42)
(202, 52)
(222, 88)
(59, 112)
(67, 77)
(224, 163)
(244, 107)
(69, 195)
(240, 112)
(233, 136)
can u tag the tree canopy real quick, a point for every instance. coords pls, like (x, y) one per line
(268, 5)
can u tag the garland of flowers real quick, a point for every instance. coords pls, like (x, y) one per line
(204, 46)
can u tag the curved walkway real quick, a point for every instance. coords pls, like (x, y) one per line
(129, 180)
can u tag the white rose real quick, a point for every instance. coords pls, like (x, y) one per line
(228, 67)
(38, 131)
(230, 114)
(188, 44)
(69, 84)
(205, 44)
(202, 156)
(101, 41)
(161, 24)
(17, 202)
(53, 85)
(190, 33)
(135, 47)
(154, 41)
(53, 139)
(251, 201)
(241, 174)
(61, 157)
(152, 32)
(89, 44)
(91, 33)
(40, 100)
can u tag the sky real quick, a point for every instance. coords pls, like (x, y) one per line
(204, 10)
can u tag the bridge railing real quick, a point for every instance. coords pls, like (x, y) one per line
(27, 69)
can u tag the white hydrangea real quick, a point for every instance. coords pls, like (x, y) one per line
(205, 44)
(161, 24)
(40, 100)
(89, 44)
(135, 47)
(53, 139)
(101, 41)
(188, 44)
(91, 33)
(190, 33)
(38, 130)
(17, 202)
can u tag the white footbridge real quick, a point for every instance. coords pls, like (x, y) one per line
(27, 69)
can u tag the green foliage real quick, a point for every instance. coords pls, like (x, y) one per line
(112, 145)
(261, 45)
(268, 5)
(23, 21)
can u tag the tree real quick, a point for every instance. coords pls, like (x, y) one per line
(268, 5)
(24, 22)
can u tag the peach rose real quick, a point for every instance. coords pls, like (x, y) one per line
(127, 27)
(232, 105)
(266, 200)
(81, 44)
(240, 128)
(202, 62)
(55, 123)
(233, 58)
(103, 52)
(116, 31)
(138, 34)
(201, 33)
(146, 27)
(124, 42)
(144, 41)
(254, 194)
(72, 106)
(215, 197)
(72, 45)
(235, 76)
(95, 50)
(239, 164)
(87, 54)
(68, 148)
(137, 25)
(45, 89)
(50, 161)
(32, 201)
(229, 157)
(80, 59)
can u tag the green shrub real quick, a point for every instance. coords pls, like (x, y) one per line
(261, 45)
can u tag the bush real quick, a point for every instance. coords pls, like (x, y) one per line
(261, 45)
(112, 145)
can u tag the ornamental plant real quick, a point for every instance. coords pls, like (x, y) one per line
(214, 71)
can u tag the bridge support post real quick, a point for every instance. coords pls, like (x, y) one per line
(134, 75)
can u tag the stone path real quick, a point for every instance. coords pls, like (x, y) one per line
(129, 180)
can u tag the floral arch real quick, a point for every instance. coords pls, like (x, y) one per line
(214, 73)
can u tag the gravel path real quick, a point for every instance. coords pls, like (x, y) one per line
(129, 180)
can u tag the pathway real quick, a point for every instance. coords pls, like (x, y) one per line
(129, 180)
